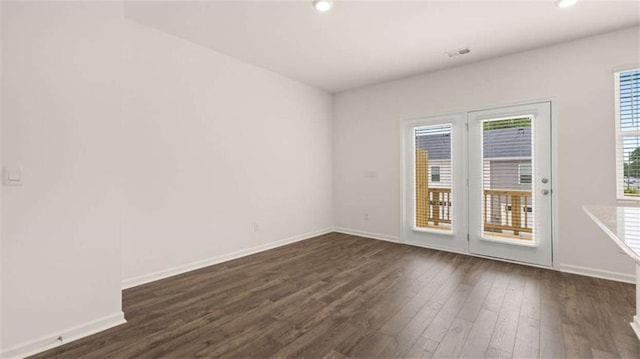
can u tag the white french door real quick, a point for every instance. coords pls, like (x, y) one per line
(480, 182)
(510, 183)
(434, 151)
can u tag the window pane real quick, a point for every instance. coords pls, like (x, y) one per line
(631, 165)
(433, 177)
(507, 168)
(628, 115)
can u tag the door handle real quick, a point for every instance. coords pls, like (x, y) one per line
(545, 192)
(544, 180)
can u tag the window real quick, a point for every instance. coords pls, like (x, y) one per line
(435, 173)
(433, 198)
(524, 173)
(627, 97)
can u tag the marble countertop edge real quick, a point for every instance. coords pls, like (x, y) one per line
(596, 213)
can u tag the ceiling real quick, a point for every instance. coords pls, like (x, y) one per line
(364, 42)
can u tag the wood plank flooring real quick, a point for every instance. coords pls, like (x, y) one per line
(338, 296)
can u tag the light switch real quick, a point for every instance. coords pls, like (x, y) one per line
(12, 176)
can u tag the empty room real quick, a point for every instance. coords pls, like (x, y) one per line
(320, 179)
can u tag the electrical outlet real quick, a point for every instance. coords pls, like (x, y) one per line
(365, 216)
(12, 176)
(256, 227)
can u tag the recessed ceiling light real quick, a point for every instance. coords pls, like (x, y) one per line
(566, 3)
(323, 5)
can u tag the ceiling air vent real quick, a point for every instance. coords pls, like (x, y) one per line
(458, 52)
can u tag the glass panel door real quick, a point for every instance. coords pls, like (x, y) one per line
(434, 182)
(510, 183)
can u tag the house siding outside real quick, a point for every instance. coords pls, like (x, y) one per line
(505, 149)
(504, 175)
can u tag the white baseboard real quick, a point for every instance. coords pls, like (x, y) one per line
(589, 272)
(147, 278)
(596, 273)
(353, 232)
(74, 333)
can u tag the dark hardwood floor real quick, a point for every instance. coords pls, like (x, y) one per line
(338, 296)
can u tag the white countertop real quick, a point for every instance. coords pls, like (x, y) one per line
(622, 224)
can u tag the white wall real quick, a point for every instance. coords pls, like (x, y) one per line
(61, 120)
(141, 152)
(577, 75)
(213, 146)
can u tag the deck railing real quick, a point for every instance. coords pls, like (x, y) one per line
(439, 206)
(508, 210)
(504, 210)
